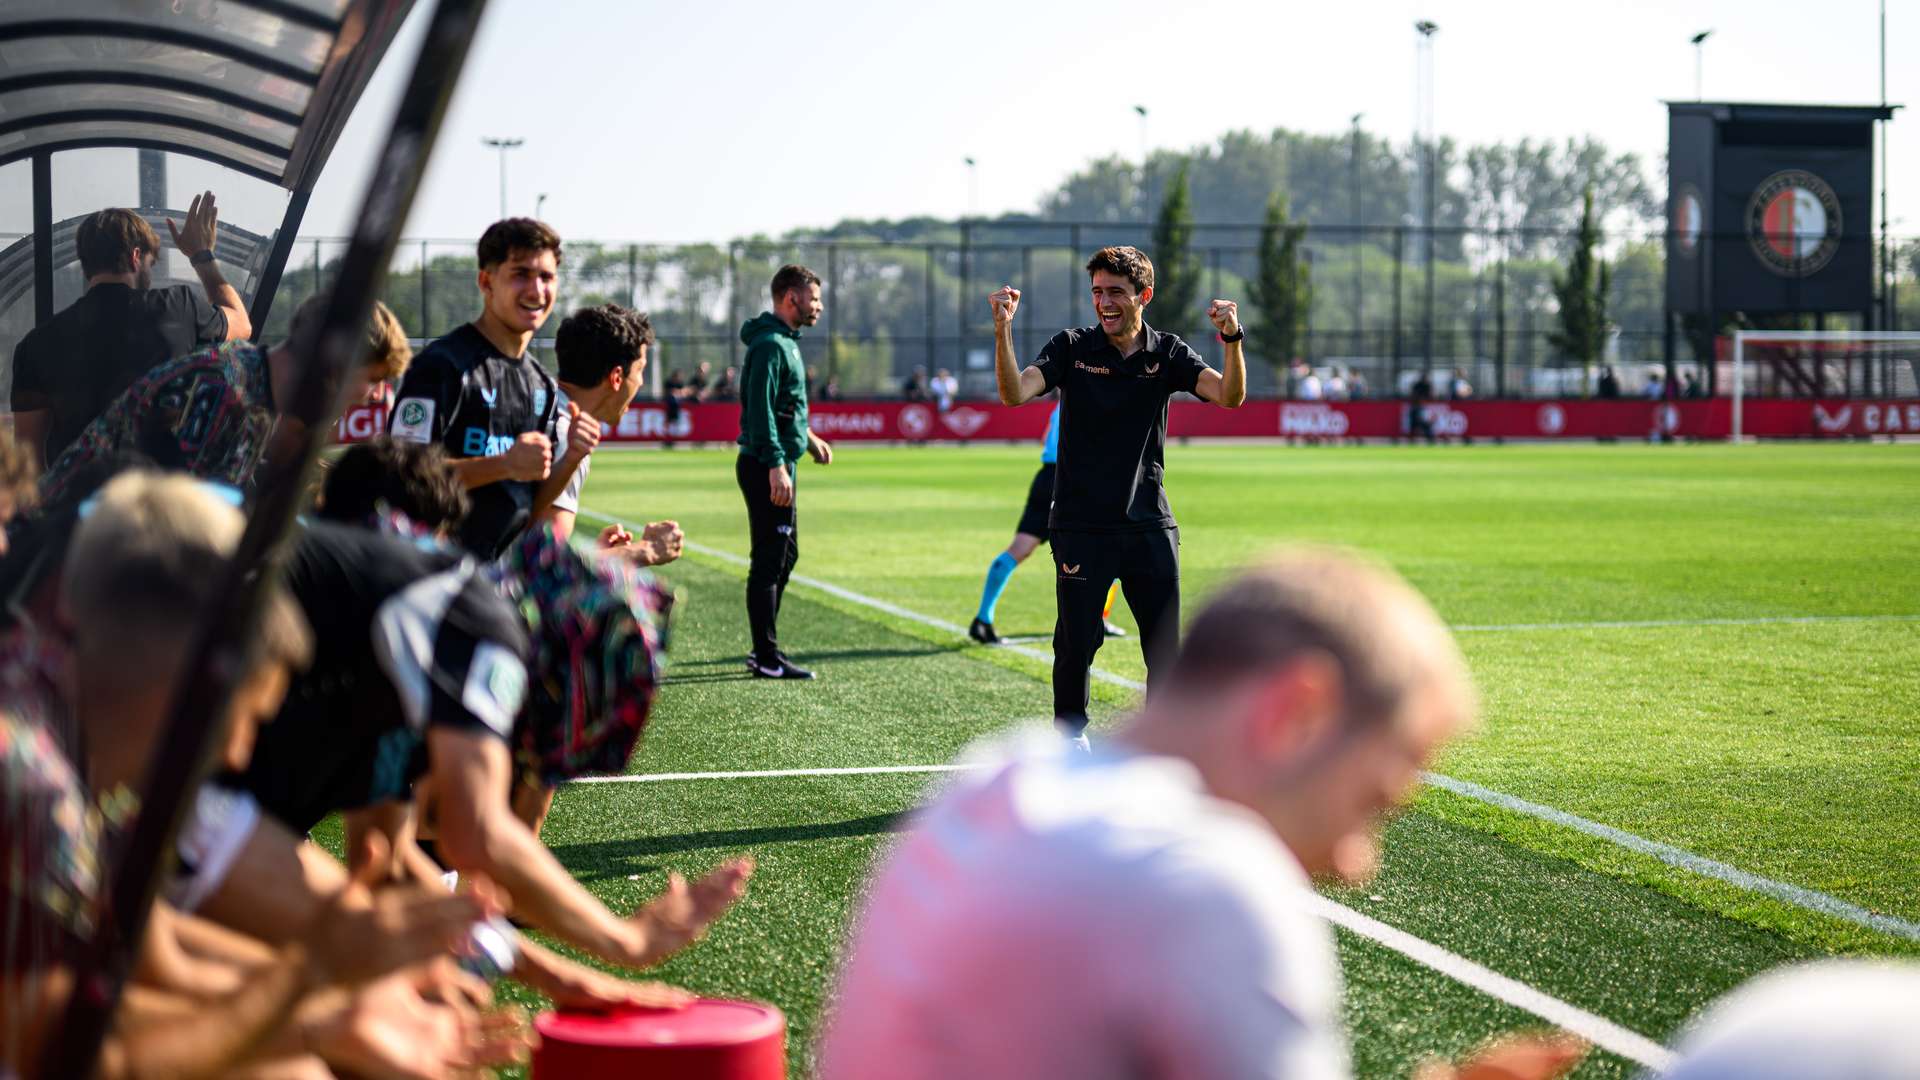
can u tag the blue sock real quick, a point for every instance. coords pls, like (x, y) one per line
(997, 576)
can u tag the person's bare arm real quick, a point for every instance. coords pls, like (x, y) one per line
(201, 233)
(583, 435)
(1017, 385)
(1225, 388)
(530, 459)
(478, 833)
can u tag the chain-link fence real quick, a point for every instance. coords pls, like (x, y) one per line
(1389, 304)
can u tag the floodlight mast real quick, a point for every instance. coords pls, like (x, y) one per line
(219, 634)
(502, 145)
(1699, 63)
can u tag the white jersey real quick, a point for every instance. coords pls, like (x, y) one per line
(1065, 916)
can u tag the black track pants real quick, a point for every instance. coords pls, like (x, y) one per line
(776, 547)
(1085, 565)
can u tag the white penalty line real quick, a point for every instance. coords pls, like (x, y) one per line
(1795, 895)
(1664, 624)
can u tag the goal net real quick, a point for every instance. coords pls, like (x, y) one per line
(1821, 364)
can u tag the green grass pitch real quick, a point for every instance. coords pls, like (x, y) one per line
(1711, 723)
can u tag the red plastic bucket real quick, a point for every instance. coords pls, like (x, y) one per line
(712, 1039)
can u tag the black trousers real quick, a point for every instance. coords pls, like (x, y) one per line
(1147, 565)
(775, 548)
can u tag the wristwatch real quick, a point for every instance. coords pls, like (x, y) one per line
(201, 257)
(1237, 335)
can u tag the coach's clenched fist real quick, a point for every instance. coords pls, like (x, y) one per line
(1005, 301)
(1226, 316)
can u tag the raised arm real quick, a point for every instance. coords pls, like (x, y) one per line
(196, 240)
(1227, 388)
(1017, 385)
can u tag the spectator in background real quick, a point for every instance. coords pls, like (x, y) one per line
(1356, 385)
(213, 413)
(726, 387)
(915, 388)
(1458, 388)
(1419, 416)
(1690, 387)
(813, 383)
(1609, 388)
(831, 390)
(1656, 387)
(1337, 388)
(698, 382)
(1146, 910)
(68, 371)
(1306, 384)
(945, 389)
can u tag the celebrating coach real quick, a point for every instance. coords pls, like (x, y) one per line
(1110, 515)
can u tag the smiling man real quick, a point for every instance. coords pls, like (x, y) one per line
(1110, 517)
(480, 395)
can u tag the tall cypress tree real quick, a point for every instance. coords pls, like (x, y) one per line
(1176, 269)
(1582, 293)
(1283, 284)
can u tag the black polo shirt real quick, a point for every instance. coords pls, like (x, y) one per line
(1113, 427)
(84, 357)
(462, 393)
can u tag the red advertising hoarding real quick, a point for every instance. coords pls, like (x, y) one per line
(647, 422)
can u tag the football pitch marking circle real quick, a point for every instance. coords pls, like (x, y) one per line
(1794, 895)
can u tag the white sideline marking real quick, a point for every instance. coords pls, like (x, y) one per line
(1598, 1030)
(755, 774)
(1796, 895)
(1687, 860)
(1595, 1029)
(1660, 624)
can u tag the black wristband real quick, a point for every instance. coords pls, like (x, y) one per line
(201, 257)
(1237, 335)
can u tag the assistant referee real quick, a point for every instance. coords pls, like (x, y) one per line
(1110, 514)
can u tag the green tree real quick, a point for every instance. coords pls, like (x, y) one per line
(1176, 269)
(1582, 293)
(1283, 283)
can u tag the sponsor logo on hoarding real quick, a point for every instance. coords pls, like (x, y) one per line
(916, 421)
(964, 421)
(847, 423)
(1888, 419)
(1793, 223)
(1318, 421)
(652, 424)
(360, 422)
(1833, 423)
(1447, 420)
(1552, 419)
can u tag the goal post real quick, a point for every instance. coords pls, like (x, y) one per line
(1822, 348)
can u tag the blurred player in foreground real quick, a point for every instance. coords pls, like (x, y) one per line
(1145, 910)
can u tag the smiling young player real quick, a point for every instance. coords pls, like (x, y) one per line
(480, 395)
(1110, 515)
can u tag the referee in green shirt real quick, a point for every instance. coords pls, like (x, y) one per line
(773, 435)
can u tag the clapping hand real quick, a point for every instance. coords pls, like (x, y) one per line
(202, 227)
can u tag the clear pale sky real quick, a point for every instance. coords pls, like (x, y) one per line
(676, 122)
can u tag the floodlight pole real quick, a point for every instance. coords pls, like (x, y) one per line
(1359, 231)
(1699, 64)
(973, 187)
(1426, 28)
(502, 145)
(1145, 202)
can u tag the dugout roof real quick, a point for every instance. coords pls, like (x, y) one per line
(259, 87)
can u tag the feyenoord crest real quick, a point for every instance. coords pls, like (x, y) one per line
(1686, 220)
(1793, 223)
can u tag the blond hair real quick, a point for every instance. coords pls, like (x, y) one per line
(385, 354)
(142, 568)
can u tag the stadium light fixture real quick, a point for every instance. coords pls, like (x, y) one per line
(973, 187)
(502, 145)
(1699, 63)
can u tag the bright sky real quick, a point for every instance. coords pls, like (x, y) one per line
(675, 122)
